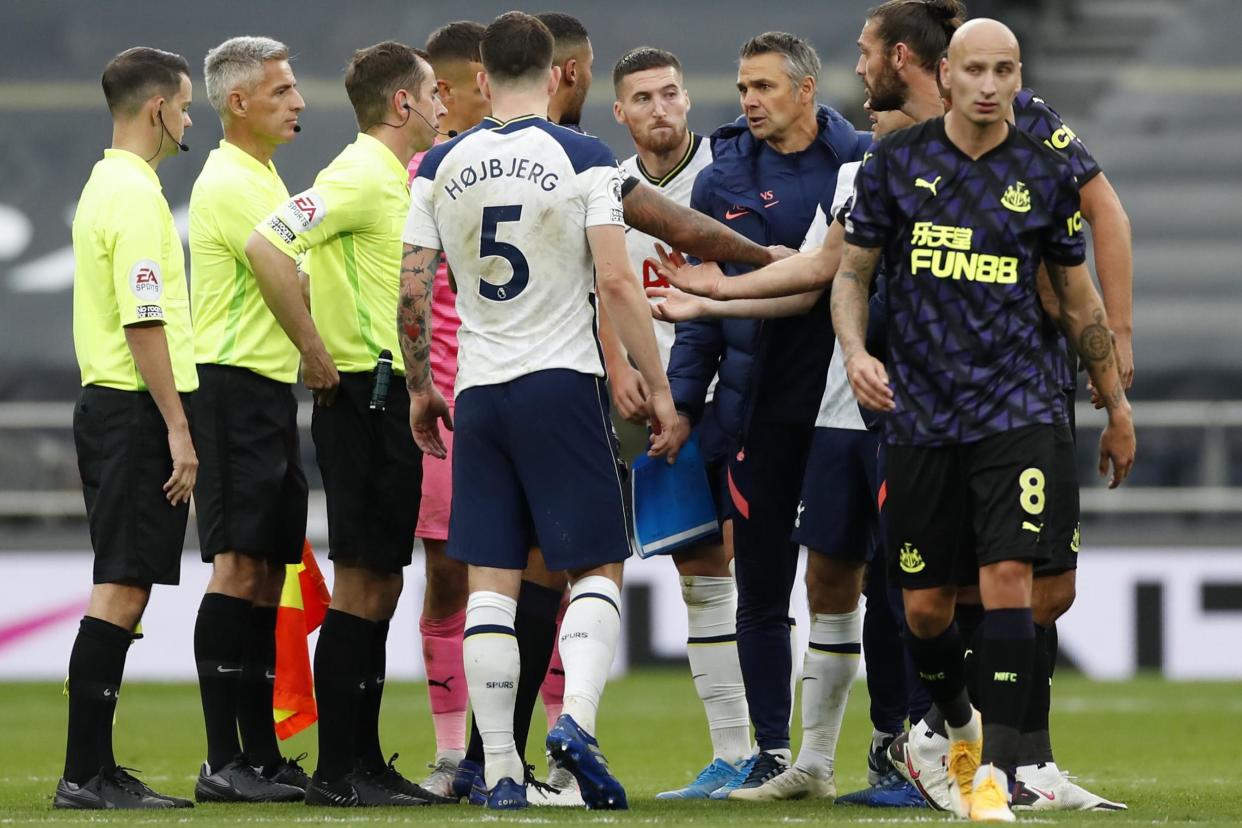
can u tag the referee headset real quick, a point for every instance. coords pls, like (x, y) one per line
(159, 113)
(452, 133)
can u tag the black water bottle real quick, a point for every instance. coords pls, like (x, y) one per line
(383, 375)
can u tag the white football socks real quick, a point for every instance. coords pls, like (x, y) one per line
(711, 607)
(827, 675)
(588, 642)
(490, 652)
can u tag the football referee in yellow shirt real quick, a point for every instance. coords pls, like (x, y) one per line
(251, 496)
(134, 342)
(349, 225)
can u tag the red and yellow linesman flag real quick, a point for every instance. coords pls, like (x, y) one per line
(303, 605)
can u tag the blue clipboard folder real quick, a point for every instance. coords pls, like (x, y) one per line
(673, 504)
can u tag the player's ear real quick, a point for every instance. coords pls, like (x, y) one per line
(618, 113)
(570, 72)
(901, 56)
(943, 68)
(445, 88)
(554, 80)
(686, 94)
(237, 103)
(484, 86)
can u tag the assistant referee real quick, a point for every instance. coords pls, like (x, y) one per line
(251, 495)
(135, 349)
(348, 225)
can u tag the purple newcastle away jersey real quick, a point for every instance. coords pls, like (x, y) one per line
(969, 355)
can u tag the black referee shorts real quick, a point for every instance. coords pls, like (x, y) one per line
(124, 461)
(251, 492)
(954, 508)
(372, 475)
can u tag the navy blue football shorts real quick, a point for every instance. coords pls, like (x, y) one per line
(837, 513)
(535, 462)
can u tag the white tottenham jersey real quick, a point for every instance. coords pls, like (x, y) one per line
(838, 408)
(509, 204)
(676, 185)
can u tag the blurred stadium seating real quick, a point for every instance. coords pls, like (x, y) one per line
(1152, 85)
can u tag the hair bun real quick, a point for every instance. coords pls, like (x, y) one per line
(945, 9)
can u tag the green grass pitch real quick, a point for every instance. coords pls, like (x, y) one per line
(1166, 749)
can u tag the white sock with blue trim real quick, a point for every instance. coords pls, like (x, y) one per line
(490, 652)
(711, 609)
(589, 634)
(827, 675)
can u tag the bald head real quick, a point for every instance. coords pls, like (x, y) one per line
(983, 71)
(984, 35)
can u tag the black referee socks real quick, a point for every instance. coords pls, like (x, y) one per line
(254, 693)
(341, 659)
(96, 665)
(219, 633)
(370, 754)
(1005, 682)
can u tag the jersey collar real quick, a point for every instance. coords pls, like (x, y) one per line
(495, 123)
(240, 156)
(376, 147)
(944, 134)
(127, 157)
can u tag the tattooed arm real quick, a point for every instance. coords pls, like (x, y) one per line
(1083, 317)
(689, 230)
(1114, 265)
(427, 405)
(850, 295)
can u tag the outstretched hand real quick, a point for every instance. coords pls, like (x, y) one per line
(700, 279)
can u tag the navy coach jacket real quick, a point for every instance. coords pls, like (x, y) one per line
(730, 191)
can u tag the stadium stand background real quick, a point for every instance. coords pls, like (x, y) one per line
(1153, 85)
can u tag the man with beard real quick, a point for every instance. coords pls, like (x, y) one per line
(975, 402)
(652, 103)
(899, 48)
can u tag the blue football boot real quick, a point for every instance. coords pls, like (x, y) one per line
(506, 796)
(579, 753)
(711, 778)
(739, 776)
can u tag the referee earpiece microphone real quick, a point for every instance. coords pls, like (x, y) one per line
(452, 133)
(180, 145)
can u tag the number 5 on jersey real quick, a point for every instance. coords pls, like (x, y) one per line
(488, 246)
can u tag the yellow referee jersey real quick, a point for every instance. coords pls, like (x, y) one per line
(232, 323)
(128, 268)
(349, 226)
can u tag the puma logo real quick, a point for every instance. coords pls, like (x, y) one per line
(444, 685)
(928, 185)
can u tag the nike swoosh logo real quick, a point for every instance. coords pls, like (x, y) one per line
(270, 676)
(699, 676)
(1049, 795)
(222, 669)
(730, 215)
(1031, 527)
(770, 204)
(810, 678)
